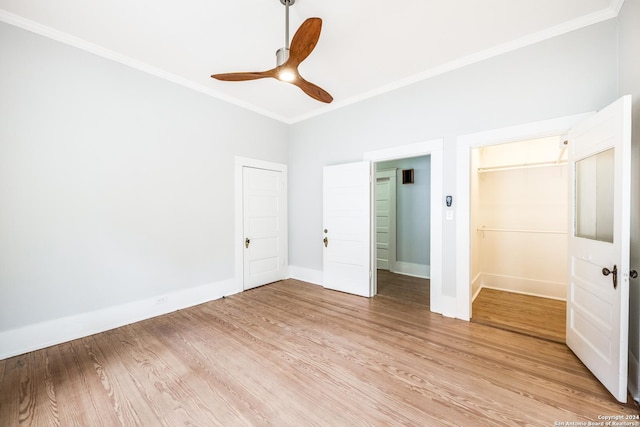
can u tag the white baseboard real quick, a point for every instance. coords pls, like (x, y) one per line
(410, 269)
(521, 285)
(315, 277)
(44, 334)
(476, 287)
(634, 378)
(306, 274)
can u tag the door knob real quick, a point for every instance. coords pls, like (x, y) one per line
(614, 274)
(246, 242)
(633, 274)
(326, 242)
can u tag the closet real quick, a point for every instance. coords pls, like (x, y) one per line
(519, 220)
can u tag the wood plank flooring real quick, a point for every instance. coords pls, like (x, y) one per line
(295, 354)
(535, 316)
(408, 289)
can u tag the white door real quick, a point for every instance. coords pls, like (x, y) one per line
(264, 225)
(347, 230)
(385, 219)
(598, 292)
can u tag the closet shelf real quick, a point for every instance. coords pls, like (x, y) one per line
(522, 166)
(516, 230)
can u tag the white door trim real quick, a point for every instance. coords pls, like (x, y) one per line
(238, 247)
(433, 148)
(464, 146)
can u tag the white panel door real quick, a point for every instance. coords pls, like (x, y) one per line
(385, 220)
(347, 228)
(264, 225)
(598, 292)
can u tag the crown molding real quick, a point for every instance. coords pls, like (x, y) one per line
(611, 12)
(68, 39)
(513, 45)
(615, 6)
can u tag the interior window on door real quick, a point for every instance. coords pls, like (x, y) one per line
(594, 197)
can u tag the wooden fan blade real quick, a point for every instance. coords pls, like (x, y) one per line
(312, 90)
(239, 77)
(304, 41)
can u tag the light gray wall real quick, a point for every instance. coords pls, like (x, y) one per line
(629, 33)
(569, 74)
(115, 186)
(413, 210)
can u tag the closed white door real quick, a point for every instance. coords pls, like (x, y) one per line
(598, 292)
(347, 228)
(385, 219)
(264, 226)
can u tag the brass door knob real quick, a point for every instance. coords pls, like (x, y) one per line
(246, 242)
(326, 242)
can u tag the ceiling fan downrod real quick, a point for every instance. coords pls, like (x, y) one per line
(282, 54)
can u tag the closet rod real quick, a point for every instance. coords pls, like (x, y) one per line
(522, 166)
(515, 230)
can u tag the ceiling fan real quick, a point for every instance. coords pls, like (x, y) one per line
(288, 59)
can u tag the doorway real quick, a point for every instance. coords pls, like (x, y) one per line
(519, 216)
(438, 303)
(264, 220)
(600, 343)
(402, 229)
(465, 146)
(261, 251)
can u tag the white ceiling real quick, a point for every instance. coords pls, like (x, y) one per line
(366, 47)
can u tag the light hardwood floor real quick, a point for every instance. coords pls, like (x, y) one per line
(408, 289)
(295, 354)
(539, 317)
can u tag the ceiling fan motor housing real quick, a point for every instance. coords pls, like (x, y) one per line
(282, 55)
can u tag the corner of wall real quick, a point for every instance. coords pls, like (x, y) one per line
(308, 275)
(412, 269)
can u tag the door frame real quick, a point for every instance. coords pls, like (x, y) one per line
(464, 146)
(433, 148)
(238, 247)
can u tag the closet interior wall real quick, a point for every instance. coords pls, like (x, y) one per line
(519, 218)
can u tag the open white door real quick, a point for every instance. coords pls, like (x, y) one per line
(347, 231)
(385, 211)
(598, 292)
(264, 226)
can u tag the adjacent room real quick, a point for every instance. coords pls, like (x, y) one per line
(403, 232)
(198, 226)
